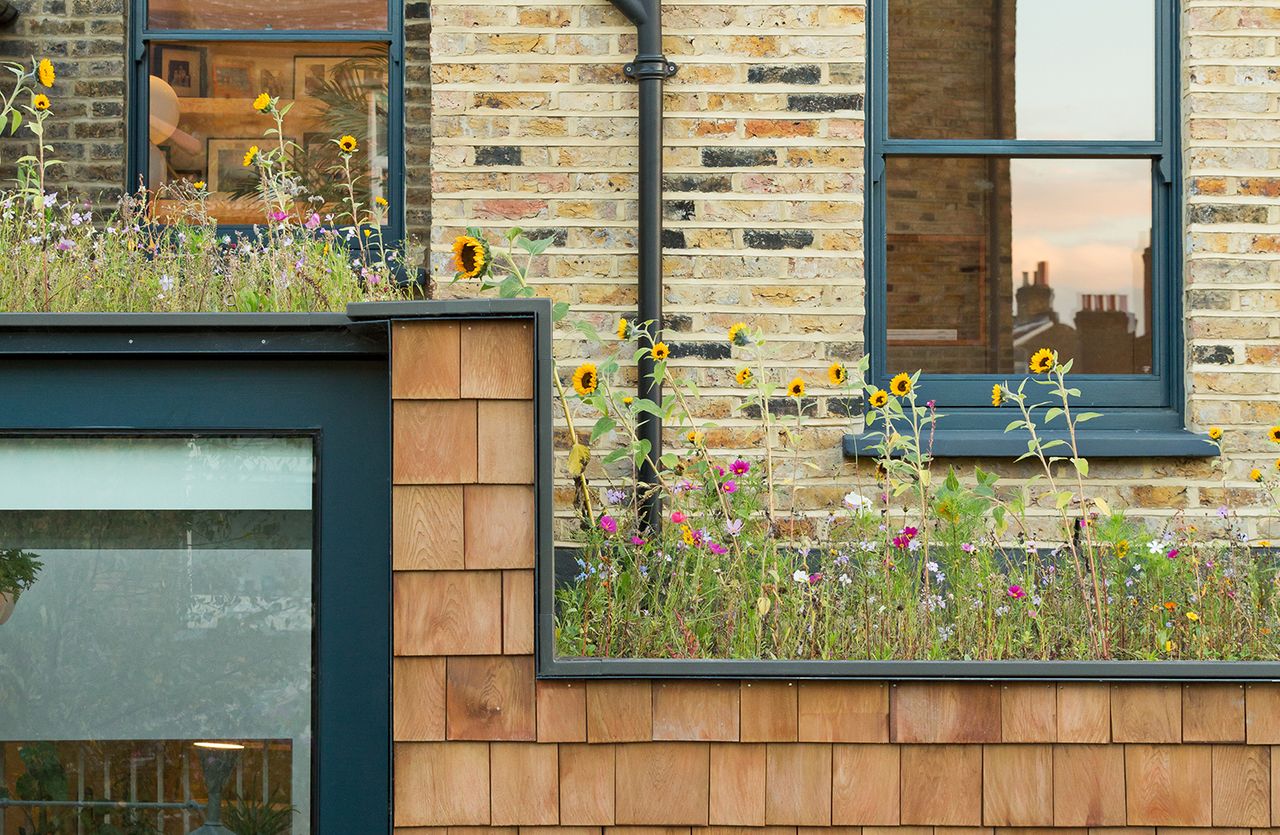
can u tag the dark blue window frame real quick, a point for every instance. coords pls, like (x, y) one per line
(141, 36)
(1142, 414)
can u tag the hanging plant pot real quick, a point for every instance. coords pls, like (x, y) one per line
(8, 602)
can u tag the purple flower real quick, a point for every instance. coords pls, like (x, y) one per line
(1222, 512)
(717, 548)
(719, 471)
(1173, 553)
(733, 527)
(66, 244)
(609, 524)
(815, 578)
(740, 467)
(931, 403)
(968, 548)
(615, 496)
(278, 215)
(313, 222)
(637, 541)
(730, 486)
(1016, 592)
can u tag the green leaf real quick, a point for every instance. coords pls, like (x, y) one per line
(1082, 466)
(604, 425)
(1014, 424)
(559, 310)
(1063, 499)
(1051, 414)
(535, 247)
(1083, 416)
(588, 330)
(616, 455)
(669, 460)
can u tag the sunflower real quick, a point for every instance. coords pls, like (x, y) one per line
(738, 333)
(1122, 549)
(585, 379)
(660, 352)
(837, 374)
(694, 437)
(262, 103)
(623, 329)
(901, 384)
(251, 156)
(627, 401)
(381, 201)
(470, 257)
(879, 398)
(1274, 434)
(40, 101)
(44, 71)
(1255, 474)
(744, 376)
(795, 388)
(997, 395)
(347, 144)
(1215, 433)
(1042, 361)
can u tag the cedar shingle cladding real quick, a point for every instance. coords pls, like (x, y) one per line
(480, 743)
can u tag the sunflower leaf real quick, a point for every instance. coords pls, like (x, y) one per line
(603, 425)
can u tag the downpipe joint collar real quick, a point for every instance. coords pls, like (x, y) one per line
(649, 66)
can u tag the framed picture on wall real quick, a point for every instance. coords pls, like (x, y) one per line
(184, 68)
(233, 78)
(312, 72)
(227, 171)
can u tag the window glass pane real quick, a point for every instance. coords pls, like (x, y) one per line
(283, 14)
(989, 259)
(203, 121)
(1021, 69)
(172, 609)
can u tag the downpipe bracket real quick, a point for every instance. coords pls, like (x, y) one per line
(649, 66)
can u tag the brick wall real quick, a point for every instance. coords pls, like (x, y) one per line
(480, 743)
(86, 41)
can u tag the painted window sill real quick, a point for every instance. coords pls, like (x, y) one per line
(1102, 443)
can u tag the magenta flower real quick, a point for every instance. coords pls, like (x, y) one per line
(740, 467)
(717, 548)
(637, 541)
(1016, 592)
(677, 517)
(719, 471)
(730, 486)
(609, 524)
(815, 578)
(278, 215)
(1173, 553)
(313, 222)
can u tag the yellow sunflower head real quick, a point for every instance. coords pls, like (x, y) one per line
(901, 384)
(837, 374)
(878, 399)
(997, 395)
(694, 437)
(251, 156)
(262, 103)
(1215, 433)
(585, 379)
(1255, 474)
(1277, 465)
(40, 101)
(660, 352)
(1274, 434)
(744, 376)
(381, 201)
(738, 334)
(1122, 549)
(795, 388)
(44, 72)
(627, 401)
(347, 144)
(1042, 361)
(470, 256)
(624, 328)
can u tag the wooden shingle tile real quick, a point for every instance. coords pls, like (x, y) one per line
(441, 783)
(562, 711)
(946, 713)
(586, 784)
(865, 782)
(663, 783)
(505, 442)
(798, 784)
(619, 711)
(524, 783)
(903, 830)
(1275, 786)
(497, 359)
(942, 785)
(434, 442)
(426, 527)
(490, 697)
(1168, 785)
(561, 830)
(648, 830)
(447, 612)
(695, 710)
(1241, 785)
(1262, 713)
(1146, 712)
(418, 699)
(1084, 712)
(517, 612)
(769, 711)
(425, 360)
(1213, 713)
(1029, 712)
(1088, 785)
(843, 711)
(1017, 785)
(737, 784)
(500, 525)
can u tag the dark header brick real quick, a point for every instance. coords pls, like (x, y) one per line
(781, 406)
(678, 209)
(498, 155)
(679, 322)
(824, 102)
(844, 406)
(777, 239)
(673, 239)
(702, 350)
(800, 74)
(694, 182)
(1215, 354)
(738, 157)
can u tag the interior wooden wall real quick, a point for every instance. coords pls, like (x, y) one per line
(480, 743)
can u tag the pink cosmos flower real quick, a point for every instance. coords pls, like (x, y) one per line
(1016, 592)
(968, 548)
(609, 524)
(717, 548)
(313, 222)
(278, 215)
(637, 541)
(1173, 553)
(740, 467)
(677, 517)
(730, 486)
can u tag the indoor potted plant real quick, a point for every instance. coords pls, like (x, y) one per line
(18, 571)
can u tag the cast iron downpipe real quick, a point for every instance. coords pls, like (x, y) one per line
(650, 69)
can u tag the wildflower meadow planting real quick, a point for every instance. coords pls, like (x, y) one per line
(918, 562)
